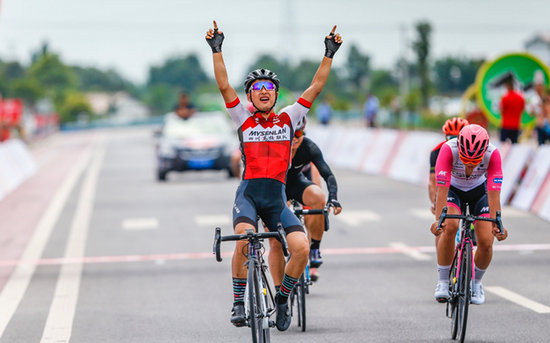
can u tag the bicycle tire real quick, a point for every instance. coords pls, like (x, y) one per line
(453, 298)
(465, 295)
(302, 302)
(254, 311)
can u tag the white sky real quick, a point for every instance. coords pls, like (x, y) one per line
(131, 35)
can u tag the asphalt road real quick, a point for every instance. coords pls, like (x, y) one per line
(128, 259)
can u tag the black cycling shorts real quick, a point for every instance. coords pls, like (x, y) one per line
(476, 199)
(264, 198)
(295, 188)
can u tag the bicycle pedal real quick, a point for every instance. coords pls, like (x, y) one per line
(271, 323)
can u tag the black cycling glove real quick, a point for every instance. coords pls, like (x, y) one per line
(333, 201)
(331, 46)
(216, 41)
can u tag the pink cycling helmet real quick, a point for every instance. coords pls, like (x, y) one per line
(473, 141)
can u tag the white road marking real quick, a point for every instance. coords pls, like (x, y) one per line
(410, 251)
(132, 224)
(357, 218)
(422, 213)
(18, 282)
(59, 324)
(213, 220)
(518, 299)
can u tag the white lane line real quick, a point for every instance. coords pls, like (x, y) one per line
(410, 251)
(358, 218)
(135, 224)
(422, 213)
(518, 299)
(18, 282)
(59, 324)
(213, 220)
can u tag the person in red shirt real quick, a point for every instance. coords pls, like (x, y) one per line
(512, 105)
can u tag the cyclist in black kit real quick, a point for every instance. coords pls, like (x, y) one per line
(299, 187)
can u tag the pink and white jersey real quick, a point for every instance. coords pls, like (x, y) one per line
(449, 169)
(265, 143)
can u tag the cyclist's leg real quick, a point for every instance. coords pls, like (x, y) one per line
(276, 262)
(314, 197)
(484, 252)
(445, 245)
(244, 214)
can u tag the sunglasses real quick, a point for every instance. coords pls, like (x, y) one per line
(298, 133)
(471, 161)
(268, 85)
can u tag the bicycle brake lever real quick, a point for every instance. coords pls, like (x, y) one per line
(499, 221)
(442, 217)
(216, 248)
(282, 239)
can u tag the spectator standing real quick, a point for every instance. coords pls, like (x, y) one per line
(371, 109)
(512, 105)
(324, 112)
(536, 109)
(184, 109)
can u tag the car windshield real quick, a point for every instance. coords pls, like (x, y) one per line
(199, 125)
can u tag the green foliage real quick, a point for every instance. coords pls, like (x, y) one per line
(52, 74)
(161, 98)
(455, 74)
(357, 69)
(93, 79)
(422, 49)
(183, 73)
(28, 89)
(71, 105)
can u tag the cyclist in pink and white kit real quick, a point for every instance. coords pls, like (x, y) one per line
(265, 139)
(468, 170)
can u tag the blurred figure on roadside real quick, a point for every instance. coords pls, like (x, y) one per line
(546, 108)
(536, 109)
(476, 116)
(370, 110)
(451, 128)
(324, 112)
(395, 112)
(184, 109)
(512, 105)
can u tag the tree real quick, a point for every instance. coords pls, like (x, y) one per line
(422, 49)
(183, 73)
(29, 90)
(455, 74)
(72, 106)
(357, 69)
(52, 74)
(93, 79)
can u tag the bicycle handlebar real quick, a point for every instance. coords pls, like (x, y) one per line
(324, 211)
(444, 215)
(250, 236)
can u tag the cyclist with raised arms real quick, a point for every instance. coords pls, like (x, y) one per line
(451, 128)
(468, 170)
(299, 187)
(265, 140)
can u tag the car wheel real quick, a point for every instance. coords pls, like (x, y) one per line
(161, 175)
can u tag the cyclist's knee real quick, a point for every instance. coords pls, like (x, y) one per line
(298, 245)
(313, 196)
(241, 228)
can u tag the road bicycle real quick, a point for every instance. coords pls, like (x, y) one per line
(462, 270)
(298, 294)
(259, 300)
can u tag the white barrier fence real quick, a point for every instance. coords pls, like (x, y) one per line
(404, 156)
(16, 165)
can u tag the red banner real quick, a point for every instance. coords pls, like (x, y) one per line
(11, 111)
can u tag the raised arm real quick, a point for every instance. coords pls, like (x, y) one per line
(214, 38)
(332, 43)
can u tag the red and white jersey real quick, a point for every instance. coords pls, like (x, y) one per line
(265, 143)
(449, 169)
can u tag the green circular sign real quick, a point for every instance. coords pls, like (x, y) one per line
(523, 68)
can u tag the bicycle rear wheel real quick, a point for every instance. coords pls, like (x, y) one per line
(464, 295)
(299, 298)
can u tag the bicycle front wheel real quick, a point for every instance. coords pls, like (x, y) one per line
(255, 318)
(464, 296)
